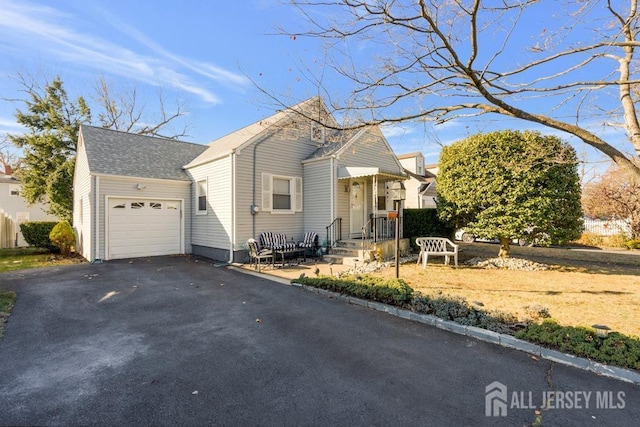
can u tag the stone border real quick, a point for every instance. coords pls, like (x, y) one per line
(486, 335)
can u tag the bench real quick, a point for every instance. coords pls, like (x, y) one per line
(278, 244)
(436, 246)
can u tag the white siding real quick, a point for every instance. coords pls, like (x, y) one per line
(317, 197)
(82, 205)
(279, 154)
(157, 189)
(370, 150)
(215, 228)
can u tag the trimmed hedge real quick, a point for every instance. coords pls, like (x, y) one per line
(424, 223)
(36, 233)
(457, 309)
(388, 291)
(616, 349)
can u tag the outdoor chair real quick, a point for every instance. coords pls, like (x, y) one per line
(257, 254)
(310, 241)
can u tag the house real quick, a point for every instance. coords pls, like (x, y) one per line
(139, 196)
(14, 210)
(421, 185)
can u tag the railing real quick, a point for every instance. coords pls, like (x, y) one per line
(334, 232)
(381, 227)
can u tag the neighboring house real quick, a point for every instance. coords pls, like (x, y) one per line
(421, 185)
(138, 196)
(14, 210)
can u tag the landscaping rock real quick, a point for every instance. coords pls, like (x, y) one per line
(507, 264)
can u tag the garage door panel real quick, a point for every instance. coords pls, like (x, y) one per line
(143, 227)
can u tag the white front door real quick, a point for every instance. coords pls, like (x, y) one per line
(357, 208)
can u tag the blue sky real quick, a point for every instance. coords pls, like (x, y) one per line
(204, 53)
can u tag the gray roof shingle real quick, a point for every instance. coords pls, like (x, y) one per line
(118, 153)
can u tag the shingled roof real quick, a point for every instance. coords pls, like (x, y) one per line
(118, 153)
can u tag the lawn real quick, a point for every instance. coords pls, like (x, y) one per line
(23, 258)
(7, 299)
(582, 288)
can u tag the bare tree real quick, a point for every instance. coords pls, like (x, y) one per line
(9, 159)
(442, 60)
(123, 111)
(615, 195)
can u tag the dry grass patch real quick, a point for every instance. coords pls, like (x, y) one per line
(582, 289)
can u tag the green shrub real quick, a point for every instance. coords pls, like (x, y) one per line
(633, 244)
(36, 234)
(63, 237)
(388, 291)
(424, 223)
(617, 349)
(457, 309)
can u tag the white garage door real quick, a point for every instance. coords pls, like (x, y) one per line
(143, 227)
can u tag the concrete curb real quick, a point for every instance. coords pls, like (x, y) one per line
(486, 335)
(504, 340)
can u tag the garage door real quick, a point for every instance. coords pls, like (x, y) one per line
(143, 227)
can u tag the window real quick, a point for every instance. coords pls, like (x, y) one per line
(14, 190)
(137, 205)
(155, 205)
(201, 197)
(281, 194)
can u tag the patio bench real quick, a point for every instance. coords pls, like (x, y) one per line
(436, 246)
(278, 244)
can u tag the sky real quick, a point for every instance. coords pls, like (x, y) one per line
(210, 55)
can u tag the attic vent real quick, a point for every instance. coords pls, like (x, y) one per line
(318, 134)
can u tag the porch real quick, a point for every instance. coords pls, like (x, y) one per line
(365, 227)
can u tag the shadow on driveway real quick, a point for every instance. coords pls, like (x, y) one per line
(175, 340)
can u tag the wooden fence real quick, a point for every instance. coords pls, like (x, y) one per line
(8, 230)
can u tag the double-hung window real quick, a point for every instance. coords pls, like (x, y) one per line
(281, 194)
(201, 197)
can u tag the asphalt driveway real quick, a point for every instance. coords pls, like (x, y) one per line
(178, 341)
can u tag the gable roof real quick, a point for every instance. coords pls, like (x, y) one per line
(235, 140)
(112, 152)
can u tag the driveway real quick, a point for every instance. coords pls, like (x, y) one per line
(178, 341)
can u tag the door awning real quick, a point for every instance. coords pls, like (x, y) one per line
(346, 172)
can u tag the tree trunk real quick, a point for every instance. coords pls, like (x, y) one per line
(504, 247)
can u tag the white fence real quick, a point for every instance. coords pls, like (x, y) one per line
(8, 230)
(606, 227)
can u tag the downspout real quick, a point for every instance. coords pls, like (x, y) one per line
(333, 189)
(253, 197)
(96, 223)
(233, 205)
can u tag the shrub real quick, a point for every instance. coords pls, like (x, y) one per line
(424, 223)
(457, 309)
(617, 349)
(63, 237)
(633, 244)
(36, 234)
(388, 291)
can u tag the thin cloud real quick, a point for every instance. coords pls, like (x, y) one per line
(47, 31)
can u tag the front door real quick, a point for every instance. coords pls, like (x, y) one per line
(356, 211)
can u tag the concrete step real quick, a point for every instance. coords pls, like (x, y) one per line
(354, 243)
(344, 260)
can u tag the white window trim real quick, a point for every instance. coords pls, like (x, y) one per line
(206, 195)
(267, 194)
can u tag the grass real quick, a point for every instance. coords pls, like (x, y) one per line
(7, 299)
(23, 258)
(582, 288)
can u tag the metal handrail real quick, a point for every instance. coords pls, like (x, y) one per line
(334, 231)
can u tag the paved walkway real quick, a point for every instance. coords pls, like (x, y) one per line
(175, 340)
